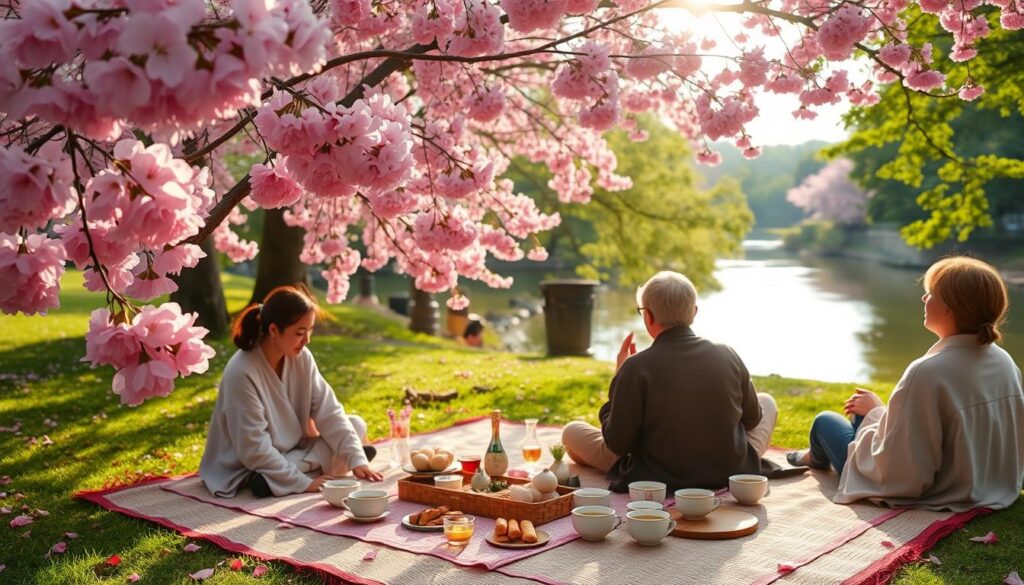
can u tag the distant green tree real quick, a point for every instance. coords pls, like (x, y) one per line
(665, 221)
(945, 167)
(766, 178)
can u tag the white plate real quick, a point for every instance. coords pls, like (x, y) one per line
(351, 516)
(411, 526)
(542, 539)
(408, 468)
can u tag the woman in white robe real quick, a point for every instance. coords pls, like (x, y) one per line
(277, 427)
(952, 435)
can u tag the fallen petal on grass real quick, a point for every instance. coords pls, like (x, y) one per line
(134, 577)
(259, 571)
(22, 520)
(989, 538)
(1013, 579)
(71, 535)
(201, 574)
(192, 547)
(934, 560)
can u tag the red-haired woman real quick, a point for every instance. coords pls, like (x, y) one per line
(277, 426)
(952, 435)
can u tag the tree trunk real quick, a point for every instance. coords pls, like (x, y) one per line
(200, 291)
(278, 263)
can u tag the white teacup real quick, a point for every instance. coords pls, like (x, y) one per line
(649, 527)
(651, 491)
(748, 488)
(594, 522)
(644, 505)
(367, 503)
(695, 504)
(591, 497)
(336, 490)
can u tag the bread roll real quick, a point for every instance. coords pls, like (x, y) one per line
(500, 527)
(502, 538)
(415, 518)
(514, 533)
(529, 533)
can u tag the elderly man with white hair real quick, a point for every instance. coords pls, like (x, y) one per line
(684, 411)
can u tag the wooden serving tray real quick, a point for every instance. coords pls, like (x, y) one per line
(422, 491)
(721, 524)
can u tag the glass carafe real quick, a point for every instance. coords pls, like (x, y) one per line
(531, 446)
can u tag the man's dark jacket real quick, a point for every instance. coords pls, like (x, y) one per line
(678, 412)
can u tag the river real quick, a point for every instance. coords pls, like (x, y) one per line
(830, 319)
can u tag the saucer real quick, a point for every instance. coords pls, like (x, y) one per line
(348, 514)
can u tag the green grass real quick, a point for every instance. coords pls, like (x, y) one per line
(368, 358)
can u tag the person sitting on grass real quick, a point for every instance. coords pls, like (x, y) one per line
(952, 436)
(277, 426)
(474, 334)
(684, 411)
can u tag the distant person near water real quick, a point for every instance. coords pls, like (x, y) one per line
(474, 333)
(277, 426)
(683, 411)
(951, 437)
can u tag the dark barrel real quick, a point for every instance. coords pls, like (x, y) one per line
(568, 309)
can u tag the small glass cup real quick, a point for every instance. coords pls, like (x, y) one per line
(459, 529)
(469, 463)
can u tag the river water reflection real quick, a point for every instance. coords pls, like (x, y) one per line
(831, 319)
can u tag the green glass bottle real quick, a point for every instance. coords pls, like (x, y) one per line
(495, 459)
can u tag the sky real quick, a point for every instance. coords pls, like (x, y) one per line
(775, 124)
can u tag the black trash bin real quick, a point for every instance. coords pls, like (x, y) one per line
(399, 303)
(423, 313)
(568, 310)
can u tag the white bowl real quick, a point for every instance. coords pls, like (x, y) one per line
(591, 497)
(651, 491)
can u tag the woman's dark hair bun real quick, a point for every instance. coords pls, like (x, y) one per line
(283, 307)
(246, 329)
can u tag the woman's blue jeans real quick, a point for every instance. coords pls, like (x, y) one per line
(831, 434)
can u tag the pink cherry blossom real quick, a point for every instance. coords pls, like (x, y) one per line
(529, 15)
(272, 186)
(925, 80)
(30, 270)
(845, 28)
(259, 571)
(37, 189)
(108, 343)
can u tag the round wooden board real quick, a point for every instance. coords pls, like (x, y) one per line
(722, 524)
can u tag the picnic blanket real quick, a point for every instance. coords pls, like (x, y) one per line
(802, 537)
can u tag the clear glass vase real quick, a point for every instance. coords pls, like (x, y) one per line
(399, 448)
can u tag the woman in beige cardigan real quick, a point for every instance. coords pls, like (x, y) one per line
(952, 435)
(277, 427)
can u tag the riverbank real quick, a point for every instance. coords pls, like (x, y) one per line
(72, 435)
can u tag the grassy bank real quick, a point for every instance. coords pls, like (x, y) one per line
(369, 359)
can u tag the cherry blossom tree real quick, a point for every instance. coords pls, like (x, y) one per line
(386, 121)
(831, 195)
